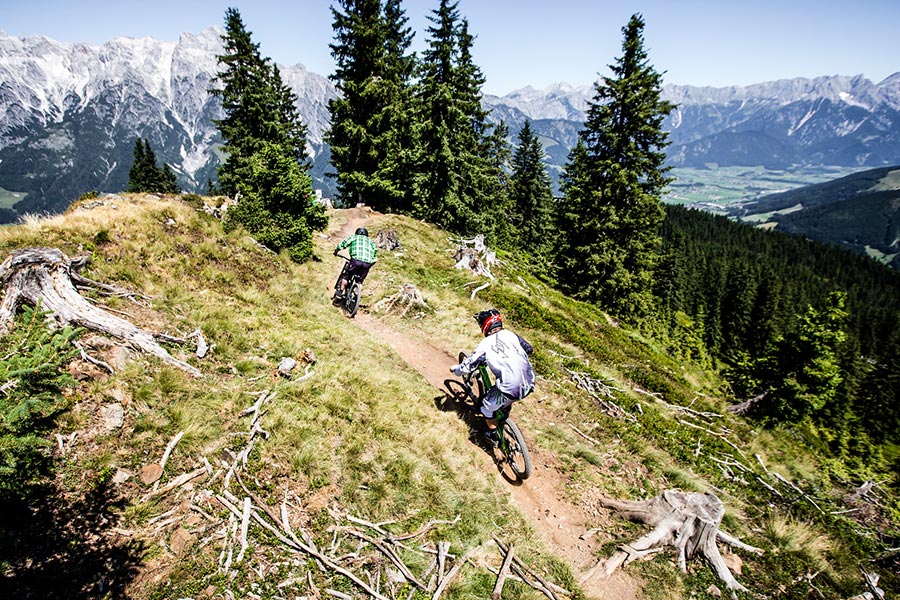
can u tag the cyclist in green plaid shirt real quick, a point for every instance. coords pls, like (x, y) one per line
(362, 257)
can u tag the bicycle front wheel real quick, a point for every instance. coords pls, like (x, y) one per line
(472, 382)
(352, 302)
(516, 451)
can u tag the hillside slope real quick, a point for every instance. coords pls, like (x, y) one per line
(860, 212)
(365, 441)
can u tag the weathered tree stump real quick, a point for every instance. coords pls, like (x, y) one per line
(408, 297)
(387, 239)
(46, 276)
(686, 521)
(475, 256)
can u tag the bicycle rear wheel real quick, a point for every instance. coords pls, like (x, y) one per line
(516, 451)
(352, 301)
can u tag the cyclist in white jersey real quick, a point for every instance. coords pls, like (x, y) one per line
(506, 355)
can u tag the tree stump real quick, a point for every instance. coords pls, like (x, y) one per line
(46, 276)
(686, 521)
(387, 239)
(477, 258)
(408, 297)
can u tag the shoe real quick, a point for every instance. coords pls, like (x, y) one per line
(491, 436)
(337, 299)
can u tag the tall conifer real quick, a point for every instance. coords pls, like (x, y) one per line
(369, 134)
(265, 140)
(609, 240)
(457, 182)
(531, 194)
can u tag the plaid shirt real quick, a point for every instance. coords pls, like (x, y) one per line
(362, 248)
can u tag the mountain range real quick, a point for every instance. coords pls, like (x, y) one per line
(70, 115)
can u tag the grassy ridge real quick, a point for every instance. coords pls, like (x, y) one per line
(363, 433)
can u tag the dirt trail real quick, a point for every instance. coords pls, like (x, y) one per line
(560, 522)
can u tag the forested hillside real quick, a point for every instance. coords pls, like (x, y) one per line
(860, 212)
(745, 291)
(358, 434)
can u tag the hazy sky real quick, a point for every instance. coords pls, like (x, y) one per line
(534, 42)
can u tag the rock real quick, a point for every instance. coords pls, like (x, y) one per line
(151, 473)
(121, 476)
(113, 416)
(180, 540)
(733, 562)
(286, 365)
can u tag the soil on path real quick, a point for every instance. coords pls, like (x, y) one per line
(561, 523)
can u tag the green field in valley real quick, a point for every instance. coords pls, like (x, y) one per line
(715, 188)
(8, 199)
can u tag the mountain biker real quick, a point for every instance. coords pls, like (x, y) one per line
(506, 355)
(362, 257)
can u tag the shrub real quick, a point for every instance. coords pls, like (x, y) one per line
(277, 205)
(32, 376)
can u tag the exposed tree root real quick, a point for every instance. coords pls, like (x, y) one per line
(687, 521)
(47, 277)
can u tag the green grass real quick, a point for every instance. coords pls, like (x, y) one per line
(362, 434)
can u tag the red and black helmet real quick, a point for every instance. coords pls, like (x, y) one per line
(489, 320)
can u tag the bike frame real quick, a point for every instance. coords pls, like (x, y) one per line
(501, 414)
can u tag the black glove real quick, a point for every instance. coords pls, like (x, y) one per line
(336, 251)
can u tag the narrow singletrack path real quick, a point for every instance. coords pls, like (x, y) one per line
(541, 498)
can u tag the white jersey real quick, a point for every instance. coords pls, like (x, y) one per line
(506, 357)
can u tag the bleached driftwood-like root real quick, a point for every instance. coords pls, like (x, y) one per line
(45, 276)
(686, 521)
(406, 298)
(475, 256)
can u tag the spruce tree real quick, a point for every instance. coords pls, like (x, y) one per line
(144, 174)
(265, 140)
(457, 182)
(531, 195)
(369, 134)
(247, 100)
(137, 177)
(803, 374)
(609, 239)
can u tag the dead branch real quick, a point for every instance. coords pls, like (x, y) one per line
(687, 521)
(388, 552)
(177, 482)
(94, 361)
(547, 588)
(45, 276)
(601, 392)
(423, 529)
(501, 577)
(478, 289)
(165, 457)
(746, 406)
(453, 572)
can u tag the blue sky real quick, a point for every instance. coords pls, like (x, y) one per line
(534, 42)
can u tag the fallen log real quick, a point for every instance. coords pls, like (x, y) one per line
(45, 276)
(686, 521)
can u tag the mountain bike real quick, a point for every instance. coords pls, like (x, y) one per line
(511, 442)
(350, 301)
